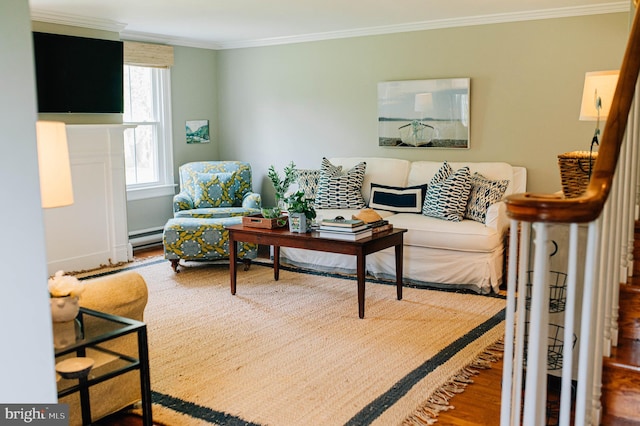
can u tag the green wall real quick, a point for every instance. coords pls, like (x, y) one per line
(193, 97)
(304, 101)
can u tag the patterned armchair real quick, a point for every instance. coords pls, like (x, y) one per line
(213, 195)
(210, 189)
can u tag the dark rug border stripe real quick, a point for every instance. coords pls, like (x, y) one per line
(125, 268)
(379, 405)
(198, 411)
(369, 279)
(376, 407)
(425, 286)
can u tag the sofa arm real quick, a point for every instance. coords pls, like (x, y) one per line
(496, 217)
(182, 201)
(124, 294)
(252, 200)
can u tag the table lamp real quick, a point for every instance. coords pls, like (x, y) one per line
(597, 96)
(53, 163)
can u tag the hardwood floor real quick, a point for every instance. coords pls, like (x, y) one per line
(148, 252)
(478, 405)
(123, 420)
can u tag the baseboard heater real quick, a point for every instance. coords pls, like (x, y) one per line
(146, 237)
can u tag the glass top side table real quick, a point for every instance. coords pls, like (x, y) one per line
(89, 335)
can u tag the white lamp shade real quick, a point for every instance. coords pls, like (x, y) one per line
(53, 163)
(598, 84)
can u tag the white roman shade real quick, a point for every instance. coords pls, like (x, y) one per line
(148, 55)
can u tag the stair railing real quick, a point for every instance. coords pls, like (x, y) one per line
(607, 211)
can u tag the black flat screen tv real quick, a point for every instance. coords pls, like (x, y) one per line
(78, 74)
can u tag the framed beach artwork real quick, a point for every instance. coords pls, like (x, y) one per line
(198, 131)
(424, 113)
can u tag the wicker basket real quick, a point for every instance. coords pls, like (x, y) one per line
(574, 171)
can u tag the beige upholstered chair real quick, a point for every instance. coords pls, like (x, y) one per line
(123, 294)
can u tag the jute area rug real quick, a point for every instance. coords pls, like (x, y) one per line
(294, 352)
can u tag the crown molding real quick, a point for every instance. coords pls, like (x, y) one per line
(108, 25)
(77, 21)
(164, 39)
(566, 12)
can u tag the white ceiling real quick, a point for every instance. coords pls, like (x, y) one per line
(222, 24)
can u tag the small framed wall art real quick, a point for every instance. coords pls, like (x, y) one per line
(424, 113)
(198, 131)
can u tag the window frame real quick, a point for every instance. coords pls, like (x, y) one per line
(165, 185)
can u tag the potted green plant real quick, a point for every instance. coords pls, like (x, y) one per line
(281, 185)
(301, 212)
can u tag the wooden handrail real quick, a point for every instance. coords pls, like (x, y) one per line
(532, 207)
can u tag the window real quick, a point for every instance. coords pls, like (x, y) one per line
(147, 146)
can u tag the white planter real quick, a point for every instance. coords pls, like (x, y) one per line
(64, 308)
(297, 222)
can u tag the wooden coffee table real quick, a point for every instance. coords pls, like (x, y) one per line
(281, 237)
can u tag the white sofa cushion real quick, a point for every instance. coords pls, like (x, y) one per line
(423, 172)
(519, 180)
(467, 235)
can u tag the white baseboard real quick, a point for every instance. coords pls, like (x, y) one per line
(89, 261)
(145, 237)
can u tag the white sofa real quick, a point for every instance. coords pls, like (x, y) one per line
(437, 253)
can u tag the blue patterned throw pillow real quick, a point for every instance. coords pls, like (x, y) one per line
(214, 190)
(340, 191)
(484, 192)
(443, 172)
(447, 198)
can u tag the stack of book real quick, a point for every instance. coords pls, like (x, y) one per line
(380, 226)
(344, 229)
